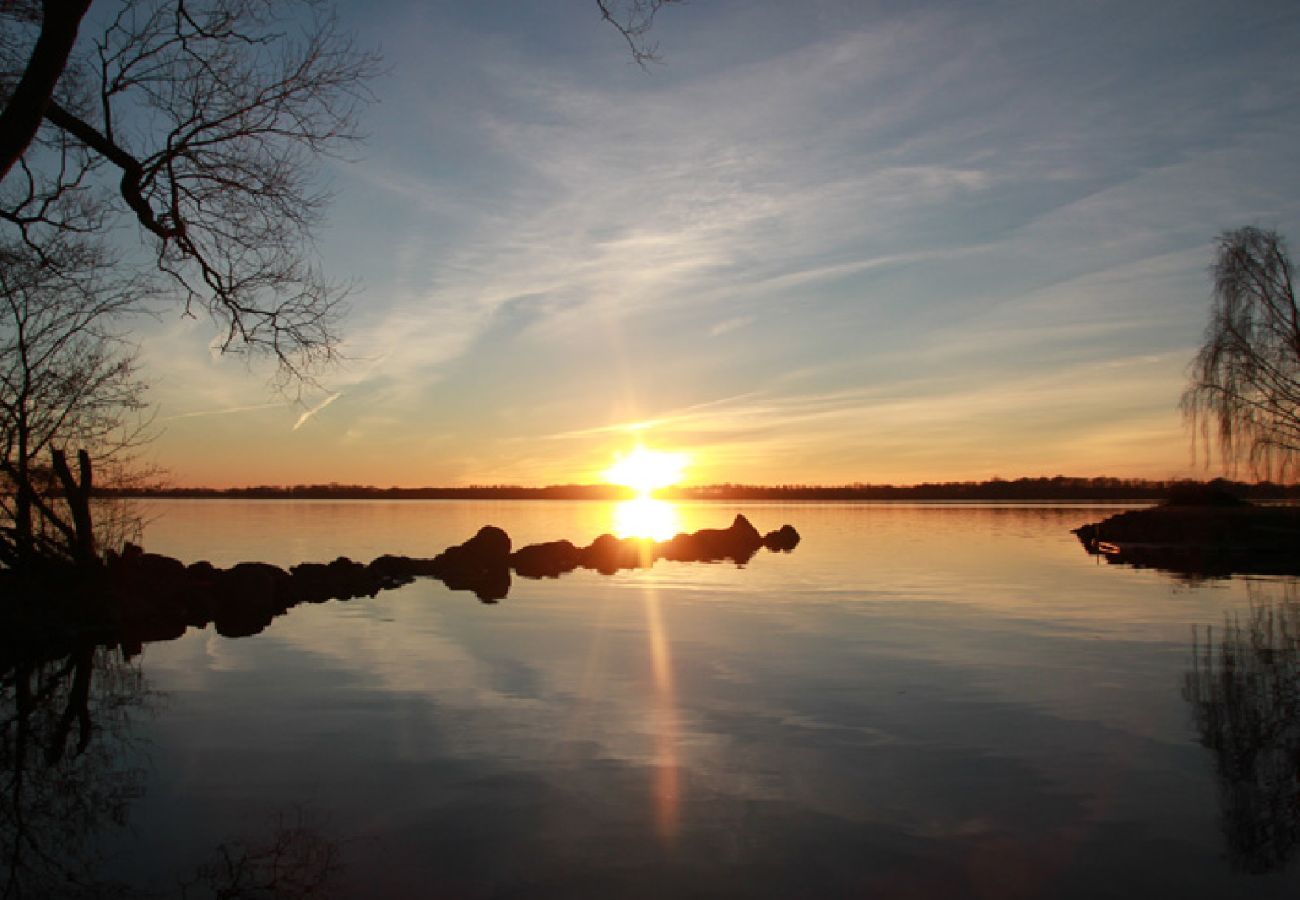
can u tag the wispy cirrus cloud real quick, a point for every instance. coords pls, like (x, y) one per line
(912, 237)
(614, 209)
(227, 411)
(940, 426)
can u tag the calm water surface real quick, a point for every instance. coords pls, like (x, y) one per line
(920, 701)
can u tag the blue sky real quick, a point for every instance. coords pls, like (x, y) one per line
(821, 242)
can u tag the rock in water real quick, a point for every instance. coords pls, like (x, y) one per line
(783, 540)
(549, 560)
(607, 554)
(486, 551)
(738, 543)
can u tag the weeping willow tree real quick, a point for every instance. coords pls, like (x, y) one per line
(1244, 394)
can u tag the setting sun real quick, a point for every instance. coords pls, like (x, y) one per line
(647, 470)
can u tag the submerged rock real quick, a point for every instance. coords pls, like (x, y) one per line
(738, 543)
(783, 540)
(486, 551)
(549, 560)
(607, 554)
(393, 571)
(342, 579)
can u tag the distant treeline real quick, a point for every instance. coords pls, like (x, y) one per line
(366, 492)
(1057, 488)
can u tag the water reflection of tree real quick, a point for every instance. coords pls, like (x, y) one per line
(1244, 690)
(67, 779)
(65, 772)
(294, 859)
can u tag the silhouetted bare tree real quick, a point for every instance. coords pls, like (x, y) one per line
(67, 385)
(1245, 382)
(201, 121)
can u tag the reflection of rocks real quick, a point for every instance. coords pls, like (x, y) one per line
(1207, 539)
(488, 585)
(153, 597)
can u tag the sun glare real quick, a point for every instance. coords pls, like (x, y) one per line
(646, 518)
(645, 471)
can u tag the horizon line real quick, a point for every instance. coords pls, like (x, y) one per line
(1059, 480)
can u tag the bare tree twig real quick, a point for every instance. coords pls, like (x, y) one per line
(633, 19)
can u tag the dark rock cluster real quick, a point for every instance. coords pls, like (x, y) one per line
(607, 554)
(1199, 537)
(154, 597)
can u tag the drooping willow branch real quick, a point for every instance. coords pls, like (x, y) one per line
(1244, 394)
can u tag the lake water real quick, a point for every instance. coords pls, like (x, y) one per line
(919, 701)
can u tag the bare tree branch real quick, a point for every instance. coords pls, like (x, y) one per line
(25, 105)
(211, 115)
(207, 118)
(633, 19)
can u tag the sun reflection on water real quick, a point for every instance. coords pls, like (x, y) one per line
(666, 785)
(646, 518)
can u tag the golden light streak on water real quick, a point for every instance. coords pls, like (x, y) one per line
(664, 722)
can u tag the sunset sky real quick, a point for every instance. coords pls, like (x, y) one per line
(822, 242)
